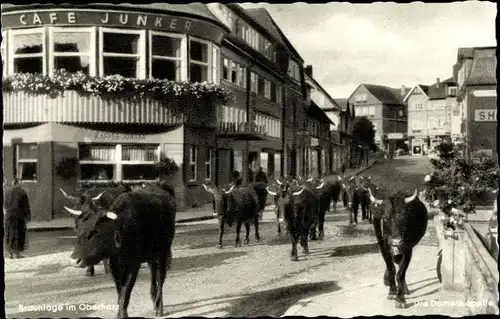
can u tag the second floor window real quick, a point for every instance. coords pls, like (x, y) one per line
(418, 107)
(122, 53)
(28, 50)
(267, 89)
(166, 57)
(198, 61)
(254, 81)
(416, 125)
(73, 50)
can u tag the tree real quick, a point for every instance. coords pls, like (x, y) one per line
(363, 131)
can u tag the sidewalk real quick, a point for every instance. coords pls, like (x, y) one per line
(189, 215)
(369, 296)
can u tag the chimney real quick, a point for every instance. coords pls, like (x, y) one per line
(403, 91)
(437, 82)
(309, 70)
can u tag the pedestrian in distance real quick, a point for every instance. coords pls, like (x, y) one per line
(261, 176)
(17, 214)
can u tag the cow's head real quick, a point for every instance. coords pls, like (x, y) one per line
(350, 186)
(221, 199)
(96, 233)
(286, 196)
(393, 212)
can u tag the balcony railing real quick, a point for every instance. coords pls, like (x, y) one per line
(244, 130)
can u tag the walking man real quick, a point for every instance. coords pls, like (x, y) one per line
(17, 214)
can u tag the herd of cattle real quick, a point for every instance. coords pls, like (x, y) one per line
(125, 227)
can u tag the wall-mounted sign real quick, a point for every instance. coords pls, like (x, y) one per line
(113, 18)
(484, 93)
(314, 141)
(395, 136)
(118, 136)
(485, 115)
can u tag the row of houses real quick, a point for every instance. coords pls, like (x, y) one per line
(461, 109)
(274, 120)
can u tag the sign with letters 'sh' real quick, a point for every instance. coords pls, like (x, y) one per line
(485, 115)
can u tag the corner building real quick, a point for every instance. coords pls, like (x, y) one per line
(123, 137)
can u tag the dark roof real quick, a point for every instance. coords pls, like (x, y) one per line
(424, 88)
(192, 9)
(465, 53)
(315, 111)
(263, 18)
(342, 103)
(385, 94)
(450, 81)
(483, 71)
(437, 91)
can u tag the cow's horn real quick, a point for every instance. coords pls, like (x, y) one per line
(322, 180)
(98, 196)
(310, 179)
(321, 185)
(230, 190)
(206, 188)
(373, 199)
(299, 192)
(271, 193)
(409, 199)
(351, 178)
(278, 181)
(66, 195)
(111, 215)
(73, 211)
(339, 178)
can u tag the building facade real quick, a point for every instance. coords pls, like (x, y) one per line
(476, 78)
(432, 113)
(344, 133)
(385, 108)
(122, 137)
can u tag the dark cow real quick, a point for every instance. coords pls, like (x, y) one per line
(300, 209)
(357, 195)
(366, 207)
(400, 222)
(240, 205)
(139, 227)
(102, 198)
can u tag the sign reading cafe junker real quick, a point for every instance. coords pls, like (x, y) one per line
(161, 22)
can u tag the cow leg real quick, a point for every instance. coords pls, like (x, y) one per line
(161, 275)
(257, 235)
(247, 229)
(105, 263)
(363, 211)
(153, 266)
(279, 228)
(221, 233)
(304, 240)
(238, 229)
(90, 271)
(401, 278)
(321, 224)
(295, 238)
(116, 273)
(130, 276)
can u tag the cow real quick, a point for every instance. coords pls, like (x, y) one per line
(300, 209)
(279, 214)
(138, 227)
(240, 205)
(399, 222)
(352, 199)
(104, 199)
(365, 201)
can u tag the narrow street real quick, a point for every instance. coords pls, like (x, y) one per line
(254, 280)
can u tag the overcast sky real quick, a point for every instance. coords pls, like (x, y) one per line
(383, 43)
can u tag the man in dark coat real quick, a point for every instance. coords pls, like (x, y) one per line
(261, 176)
(17, 214)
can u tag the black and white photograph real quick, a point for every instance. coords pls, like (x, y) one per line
(167, 160)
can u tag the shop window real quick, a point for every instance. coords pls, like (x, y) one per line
(28, 51)
(97, 162)
(122, 53)
(138, 162)
(264, 161)
(27, 162)
(192, 163)
(199, 61)
(166, 56)
(208, 164)
(73, 49)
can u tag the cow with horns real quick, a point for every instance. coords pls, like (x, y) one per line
(101, 198)
(365, 200)
(399, 222)
(138, 227)
(300, 210)
(241, 205)
(281, 185)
